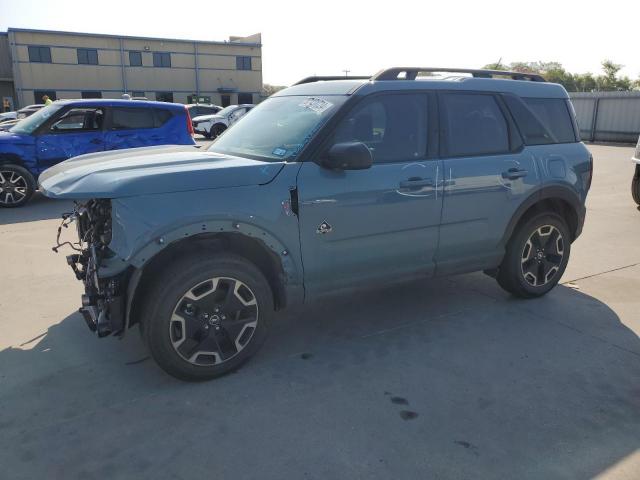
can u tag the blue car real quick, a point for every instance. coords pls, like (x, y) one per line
(70, 128)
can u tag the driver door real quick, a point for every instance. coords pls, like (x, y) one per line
(369, 226)
(73, 132)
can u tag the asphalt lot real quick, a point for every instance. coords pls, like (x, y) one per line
(442, 378)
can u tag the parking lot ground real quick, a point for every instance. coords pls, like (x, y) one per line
(441, 378)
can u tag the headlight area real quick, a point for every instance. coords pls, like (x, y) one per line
(103, 303)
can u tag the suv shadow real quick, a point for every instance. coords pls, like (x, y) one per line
(447, 368)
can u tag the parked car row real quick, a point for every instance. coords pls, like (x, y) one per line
(9, 119)
(212, 125)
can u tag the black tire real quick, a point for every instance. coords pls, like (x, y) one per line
(207, 135)
(173, 326)
(635, 187)
(16, 186)
(530, 267)
(217, 130)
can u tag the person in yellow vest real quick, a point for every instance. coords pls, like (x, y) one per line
(47, 101)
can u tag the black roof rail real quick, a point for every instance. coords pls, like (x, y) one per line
(335, 77)
(412, 72)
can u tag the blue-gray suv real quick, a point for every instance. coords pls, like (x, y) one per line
(327, 186)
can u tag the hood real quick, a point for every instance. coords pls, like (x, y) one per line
(149, 170)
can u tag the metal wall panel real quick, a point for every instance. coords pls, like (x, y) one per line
(608, 116)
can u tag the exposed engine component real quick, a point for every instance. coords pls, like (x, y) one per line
(102, 302)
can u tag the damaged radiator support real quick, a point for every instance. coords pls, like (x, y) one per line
(103, 300)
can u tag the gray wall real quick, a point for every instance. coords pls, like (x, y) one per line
(608, 116)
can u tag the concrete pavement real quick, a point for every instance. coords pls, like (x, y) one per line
(443, 378)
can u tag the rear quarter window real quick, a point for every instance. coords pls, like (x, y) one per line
(554, 115)
(123, 118)
(162, 116)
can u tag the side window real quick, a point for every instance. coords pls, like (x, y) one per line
(394, 127)
(79, 119)
(554, 115)
(162, 116)
(131, 118)
(473, 125)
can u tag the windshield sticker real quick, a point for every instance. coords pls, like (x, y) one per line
(317, 105)
(281, 152)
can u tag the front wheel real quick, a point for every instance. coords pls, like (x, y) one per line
(16, 186)
(205, 317)
(536, 256)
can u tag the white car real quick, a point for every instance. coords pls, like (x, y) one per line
(213, 125)
(8, 116)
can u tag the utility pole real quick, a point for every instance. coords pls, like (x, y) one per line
(346, 72)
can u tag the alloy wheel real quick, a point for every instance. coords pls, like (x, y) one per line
(13, 187)
(213, 321)
(542, 255)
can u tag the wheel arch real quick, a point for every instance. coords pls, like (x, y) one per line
(559, 200)
(12, 159)
(274, 265)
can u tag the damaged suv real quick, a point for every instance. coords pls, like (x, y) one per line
(325, 186)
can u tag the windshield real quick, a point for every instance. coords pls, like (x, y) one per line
(278, 128)
(28, 125)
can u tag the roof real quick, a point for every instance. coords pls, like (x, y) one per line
(130, 37)
(114, 102)
(523, 88)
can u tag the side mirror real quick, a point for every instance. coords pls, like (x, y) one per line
(348, 156)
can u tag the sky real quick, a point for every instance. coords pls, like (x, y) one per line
(325, 37)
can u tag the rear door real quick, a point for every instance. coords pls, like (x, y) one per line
(487, 175)
(75, 131)
(130, 127)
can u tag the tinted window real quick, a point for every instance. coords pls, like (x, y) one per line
(554, 115)
(162, 116)
(161, 59)
(135, 59)
(79, 119)
(87, 56)
(39, 54)
(131, 118)
(474, 125)
(394, 127)
(243, 63)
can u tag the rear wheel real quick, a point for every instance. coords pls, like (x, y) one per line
(635, 186)
(206, 317)
(217, 130)
(16, 186)
(536, 256)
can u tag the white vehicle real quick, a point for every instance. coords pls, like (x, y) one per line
(213, 125)
(8, 116)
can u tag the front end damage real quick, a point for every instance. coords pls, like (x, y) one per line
(103, 303)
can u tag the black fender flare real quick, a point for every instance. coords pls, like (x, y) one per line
(552, 192)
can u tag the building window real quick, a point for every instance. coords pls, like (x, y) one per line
(87, 56)
(38, 94)
(245, 98)
(135, 59)
(161, 59)
(91, 94)
(39, 54)
(164, 96)
(225, 100)
(138, 94)
(243, 63)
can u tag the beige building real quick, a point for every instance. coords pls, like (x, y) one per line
(83, 65)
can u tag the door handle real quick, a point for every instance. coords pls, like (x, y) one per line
(514, 173)
(415, 183)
